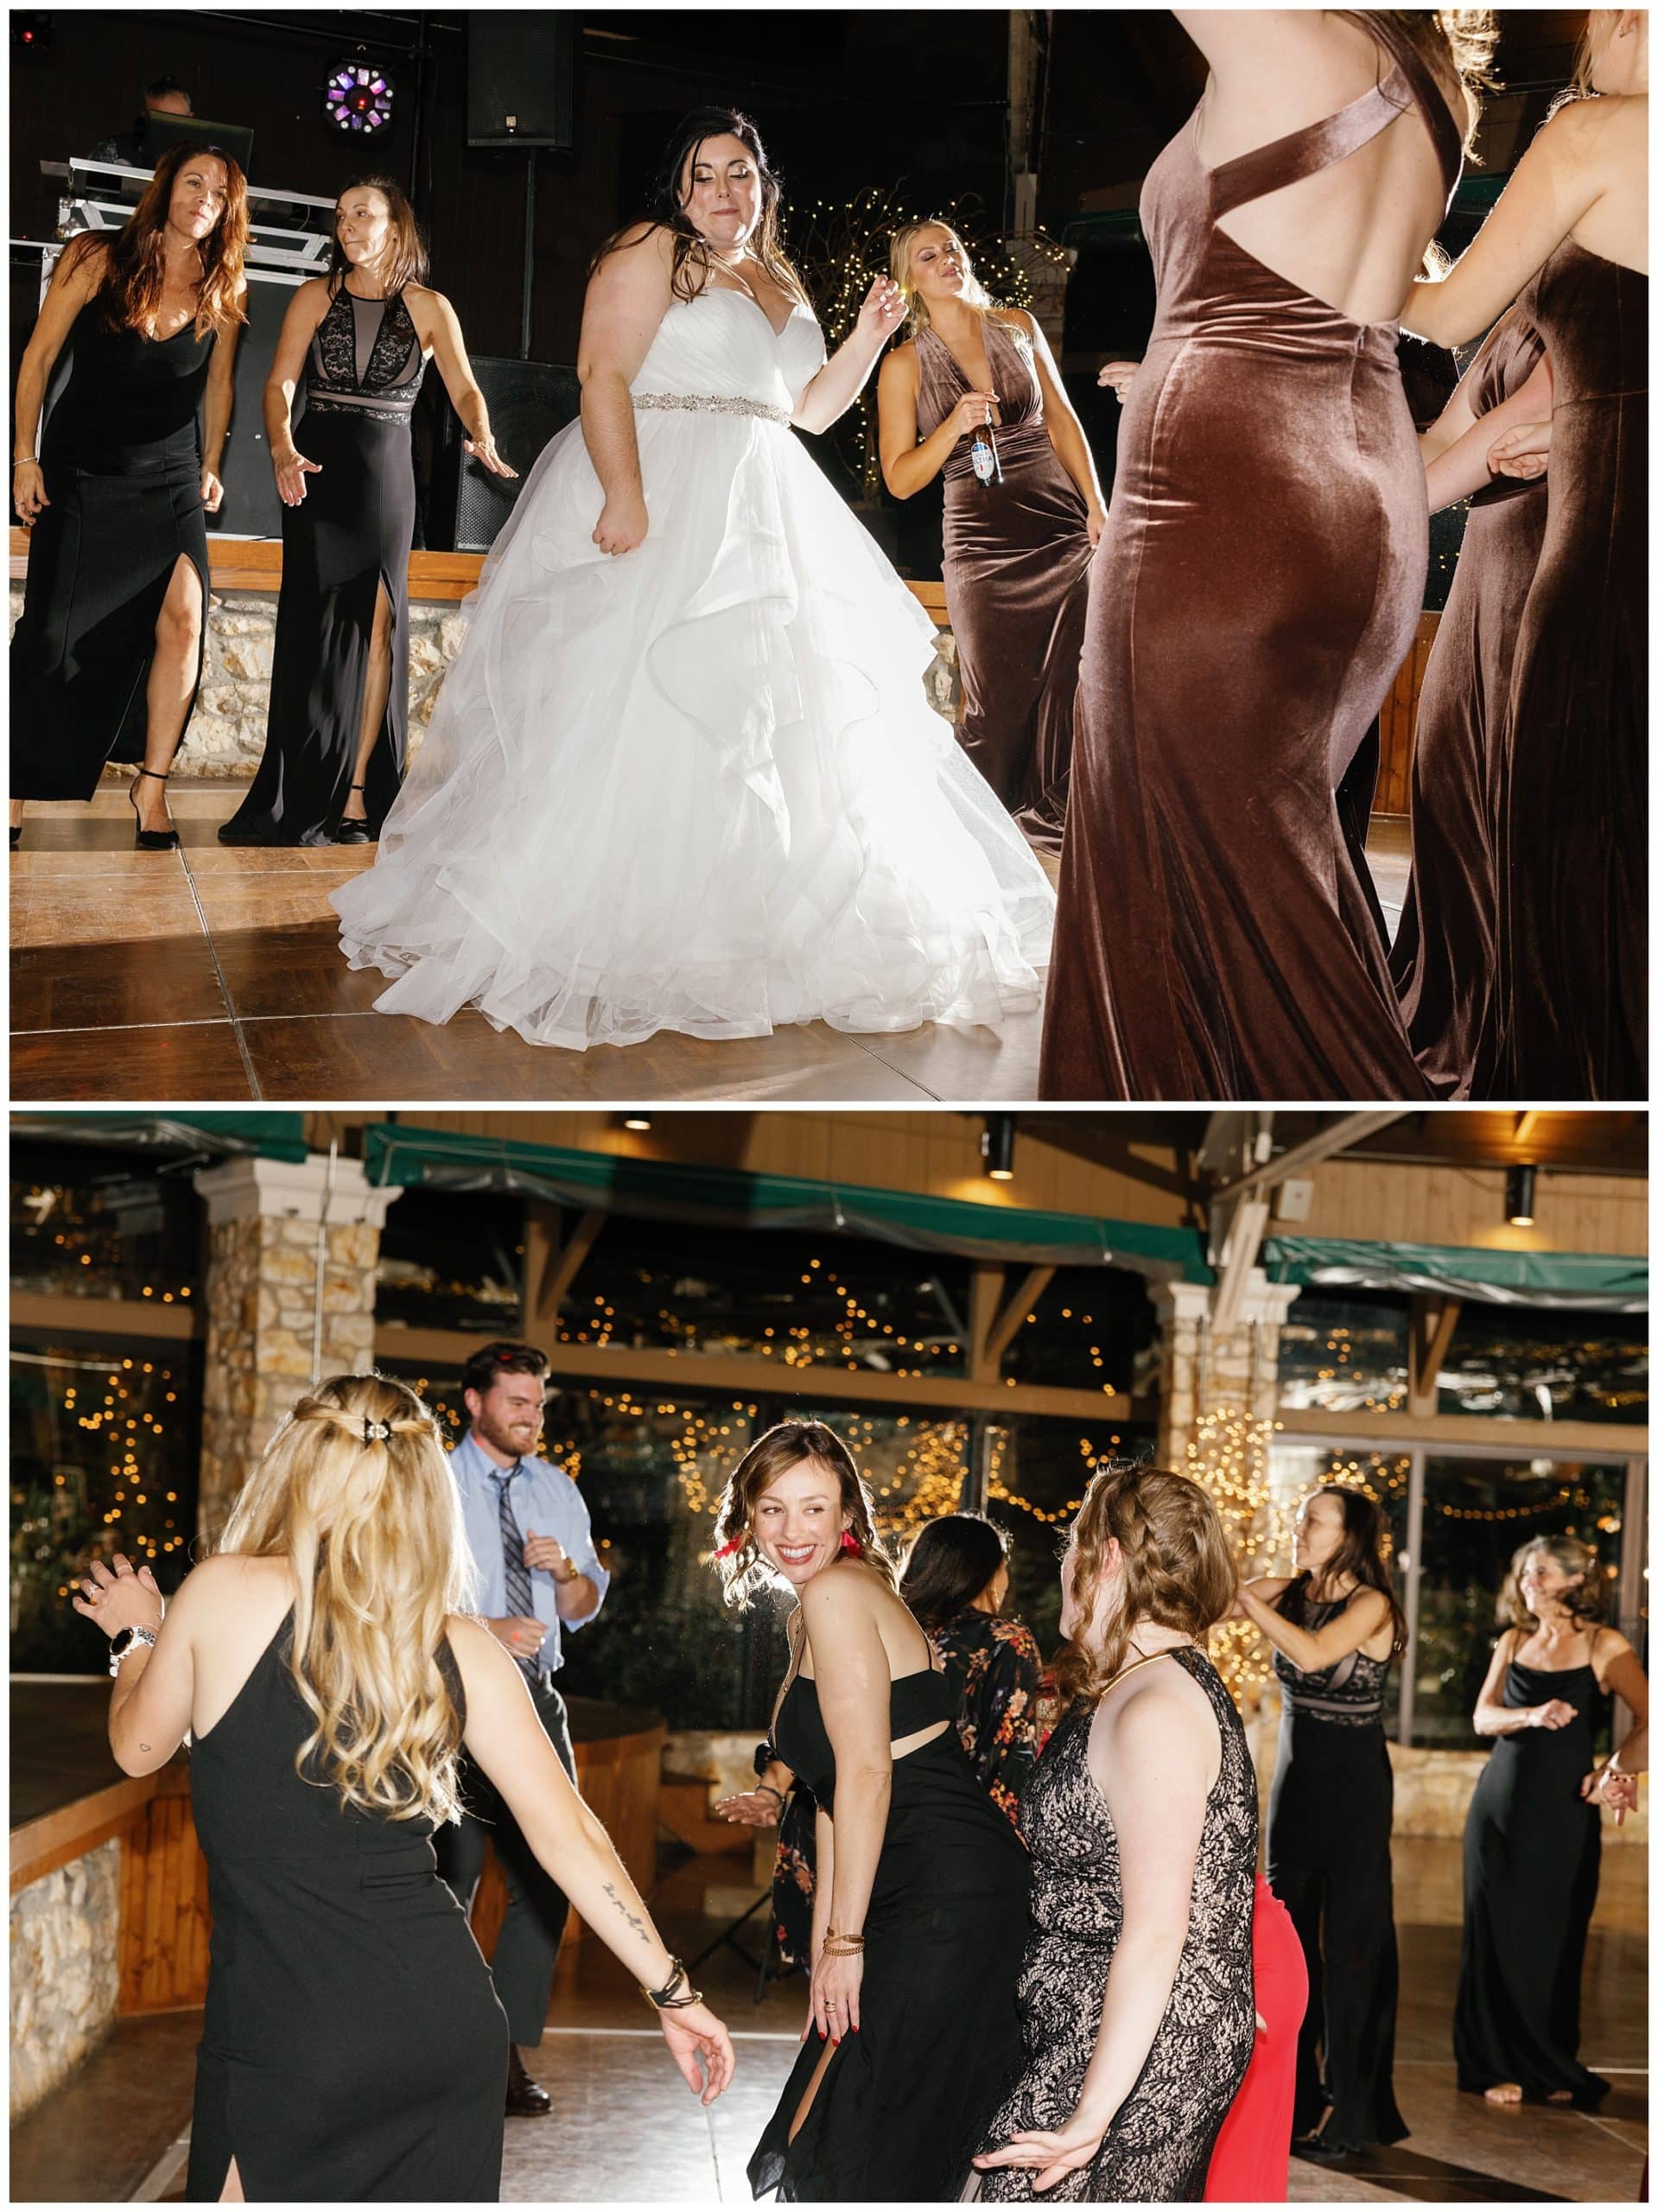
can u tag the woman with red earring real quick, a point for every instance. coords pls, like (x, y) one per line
(920, 1903)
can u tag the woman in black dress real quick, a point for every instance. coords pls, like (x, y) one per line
(1017, 544)
(1531, 1850)
(955, 1582)
(107, 657)
(1142, 1824)
(919, 1907)
(353, 2046)
(358, 339)
(1336, 1628)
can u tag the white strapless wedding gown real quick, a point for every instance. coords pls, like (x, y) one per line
(697, 786)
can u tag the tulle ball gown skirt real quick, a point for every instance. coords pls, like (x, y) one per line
(697, 786)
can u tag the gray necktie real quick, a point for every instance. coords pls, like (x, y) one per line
(520, 1596)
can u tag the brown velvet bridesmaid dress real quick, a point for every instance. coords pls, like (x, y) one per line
(1016, 562)
(1257, 587)
(1569, 1017)
(1445, 956)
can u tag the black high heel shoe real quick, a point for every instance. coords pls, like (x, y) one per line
(16, 835)
(353, 833)
(152, 840)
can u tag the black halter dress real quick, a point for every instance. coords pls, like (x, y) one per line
(904, 2102)
(350, 536)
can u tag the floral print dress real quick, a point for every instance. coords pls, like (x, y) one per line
(996, 1669)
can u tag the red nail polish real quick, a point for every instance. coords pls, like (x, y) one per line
(837, 2043)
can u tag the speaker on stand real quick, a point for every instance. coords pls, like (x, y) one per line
(529, 403)
(521, 91)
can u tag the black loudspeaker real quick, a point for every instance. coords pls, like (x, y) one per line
(250, 507)
(529, 403)
(520, 76)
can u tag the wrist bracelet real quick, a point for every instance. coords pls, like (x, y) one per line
(664, 2000)
(837, 1946)
(769, 1792)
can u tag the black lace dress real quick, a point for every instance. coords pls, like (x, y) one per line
(900, 2109)
(1329, 1858)
(1157, 2149)
(351, 534)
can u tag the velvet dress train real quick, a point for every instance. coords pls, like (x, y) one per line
(698, 786)
(1444, 959)
(1569, 1015)
(1016, 561)
(899, 2110)
(347, 540)
(1531, 1870)
(121, 456)
(1257, 586)
(1157, 2149)
(353, 2046)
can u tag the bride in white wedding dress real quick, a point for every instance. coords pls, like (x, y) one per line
(683, 774)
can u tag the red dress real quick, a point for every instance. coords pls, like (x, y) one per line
(1251, 2159)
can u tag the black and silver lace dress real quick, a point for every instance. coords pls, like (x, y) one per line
(350, 537)
(1157, 2149)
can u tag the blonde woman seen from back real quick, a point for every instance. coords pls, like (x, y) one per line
(975, 389)
(324, 1666)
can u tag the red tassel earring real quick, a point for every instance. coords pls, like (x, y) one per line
(730, 1550)
(850, 1543)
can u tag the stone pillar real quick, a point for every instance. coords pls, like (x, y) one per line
(283, 1234)
(1204, 1372)
(64, 1976)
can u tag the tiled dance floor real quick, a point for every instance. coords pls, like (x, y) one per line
(626, 2130)
(214, 973)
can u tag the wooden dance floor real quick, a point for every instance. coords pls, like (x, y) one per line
(214, 973)
(624, 2130)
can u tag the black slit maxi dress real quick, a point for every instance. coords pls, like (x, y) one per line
(903, 2103)
(122, 459)
(351, 532)
(353, 2046)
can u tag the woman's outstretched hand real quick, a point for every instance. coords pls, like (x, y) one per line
(837, 1983)
(1053, 2155)
(1521, 452)
(117, 1598)
(1118, 375)
(882, 311)
(750, 1808)
(702, 2048)
(482, 450)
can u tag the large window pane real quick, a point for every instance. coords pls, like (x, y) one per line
(1530, 1366)
(451, 1260)
(1477, 1513)
(104, 1457)
(1347, 1354)
(96, 1227)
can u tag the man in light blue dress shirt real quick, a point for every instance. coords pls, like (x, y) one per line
(539, 1579)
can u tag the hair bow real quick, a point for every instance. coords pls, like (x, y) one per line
(376, 1432)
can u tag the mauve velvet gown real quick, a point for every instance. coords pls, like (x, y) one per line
(1258, 584)
(1569, 1015)
(1445, 956)
(1016, 561)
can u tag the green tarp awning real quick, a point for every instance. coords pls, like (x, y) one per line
(726, 1197)
(1596, 1282)
(274, 1135)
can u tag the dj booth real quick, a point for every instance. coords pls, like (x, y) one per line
(462, 506)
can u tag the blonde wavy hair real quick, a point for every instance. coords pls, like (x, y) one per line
(355, 1492)
(741, 1568)
(974, 295)
(1177, 1569)
(1586, 1602)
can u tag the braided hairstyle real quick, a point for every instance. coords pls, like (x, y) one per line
(742, 1569)
(355, 1492)
(1175, 1566)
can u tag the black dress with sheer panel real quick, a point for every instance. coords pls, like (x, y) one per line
(348, 539)
(121, 458)
(1531, 1870)
(902, 2104)
(1328, 1857)
(353, 2046)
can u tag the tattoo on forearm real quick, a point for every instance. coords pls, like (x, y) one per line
(632, 1919)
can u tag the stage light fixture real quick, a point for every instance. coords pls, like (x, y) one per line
(358, 98)
(639, 1123)
(1519, 1197)
(996, 1145)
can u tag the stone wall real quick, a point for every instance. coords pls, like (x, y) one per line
(64, 1972)
(228, 731)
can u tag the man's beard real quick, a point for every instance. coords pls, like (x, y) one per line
(493, 1432)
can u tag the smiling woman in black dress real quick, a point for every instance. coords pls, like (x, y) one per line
(107, 657)
(919, 1908)
(353, 2046)
(357, 341)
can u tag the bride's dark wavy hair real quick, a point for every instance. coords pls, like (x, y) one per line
(664, 208)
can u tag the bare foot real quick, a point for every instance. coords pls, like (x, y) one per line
(1505, 2093)
(1558, 2097)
